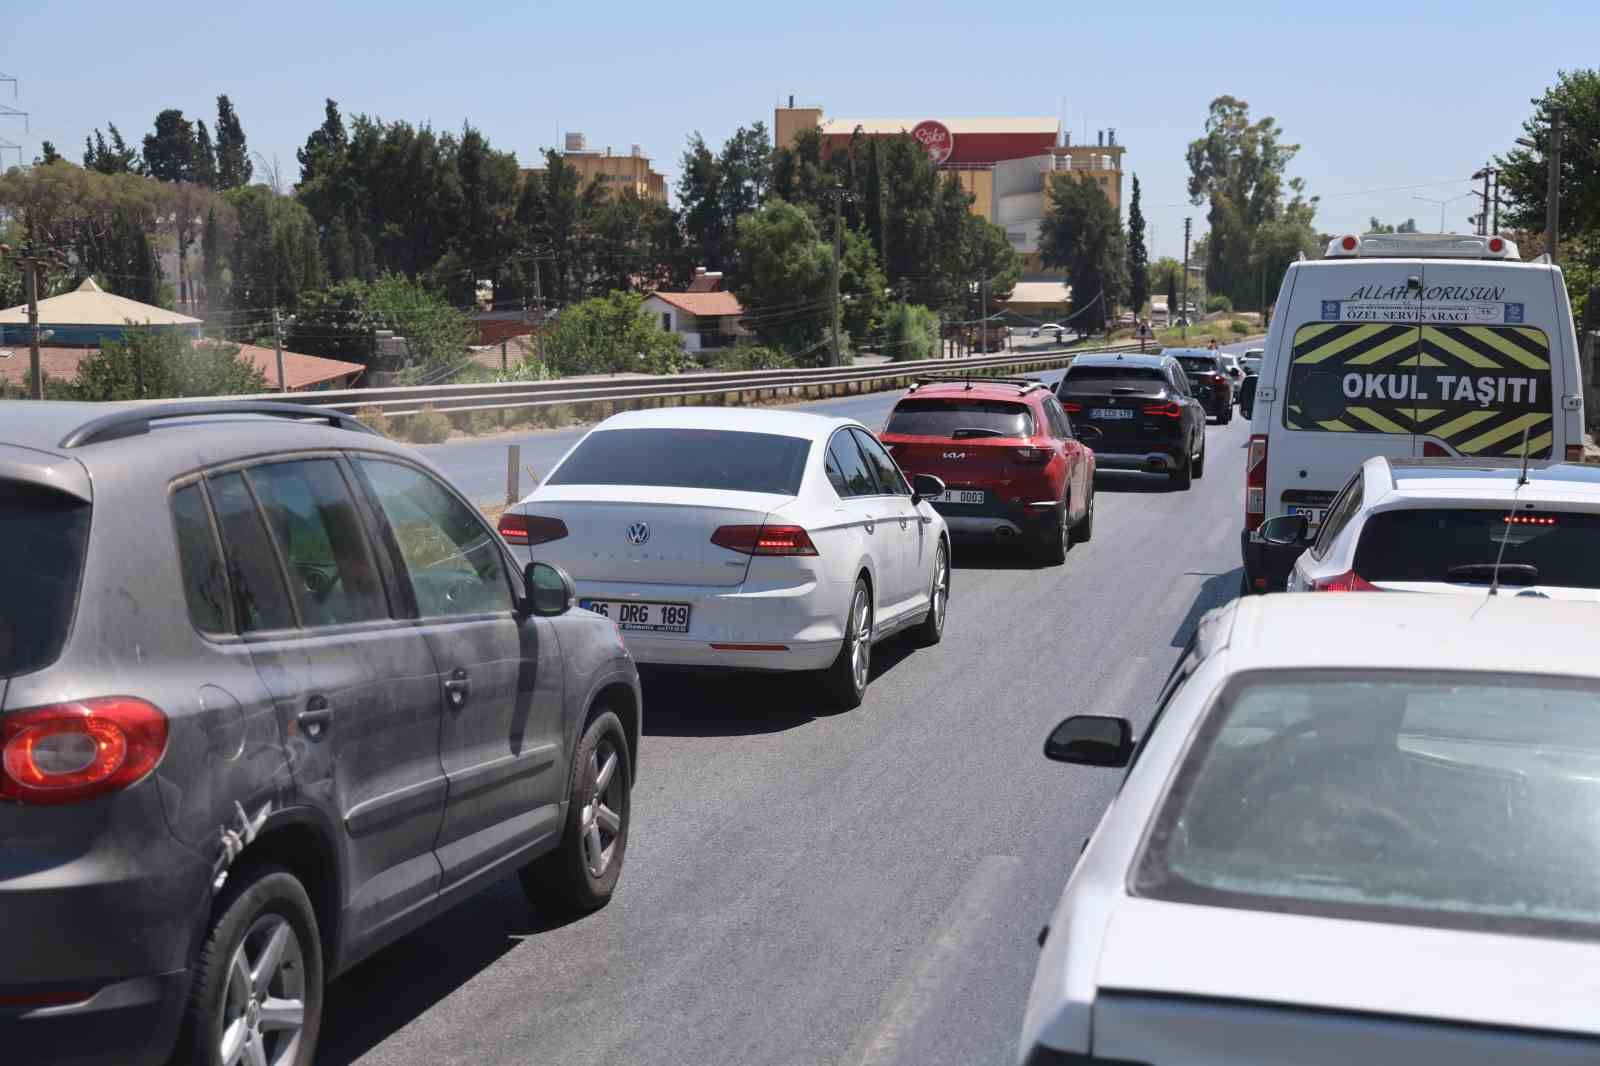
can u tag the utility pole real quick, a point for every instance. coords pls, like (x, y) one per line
(1496, 175)
(983, 312)
(1183, 305)
(1483, 216)
(277, 347)
(1552, 212)
(838, 249)
(30, 269)
(538, 314)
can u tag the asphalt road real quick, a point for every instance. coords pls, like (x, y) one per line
(806, 887)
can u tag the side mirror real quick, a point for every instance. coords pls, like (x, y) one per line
(550, 590)
(1247, 395)
(925, 487)
(1091, 740)
(1286, 530)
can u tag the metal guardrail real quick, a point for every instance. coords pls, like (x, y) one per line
(401, 401)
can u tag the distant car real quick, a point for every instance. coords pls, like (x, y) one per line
(744, 539)
(1251, 360)
(1048, 327)
(1353, 832)
(1444, 525)
(1012, 468)
(1142, 413)
(1211, 382)
(1230, 363)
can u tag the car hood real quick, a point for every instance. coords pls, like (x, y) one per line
(1153, 946)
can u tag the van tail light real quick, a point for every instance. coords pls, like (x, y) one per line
(1255, 482)
(1162, 410)
(1574, 453)
(1349, 581)
(1033, 456)
(764, 540)
(67, 752)
(531, 528)
(1434, 450)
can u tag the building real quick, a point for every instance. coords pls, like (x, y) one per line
(704, 320)
(87, 315)
(305, 373)
(614, 172)
(1005, 163)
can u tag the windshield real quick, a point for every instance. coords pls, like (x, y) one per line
(1198, 364)
(687, 458)
(1105, 378)
(956, 417)
(1404, 796)
(1461, 544)
(42, 539)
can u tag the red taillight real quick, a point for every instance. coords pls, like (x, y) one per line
(1434, 450)
(764, 540)
(531, 528)
(1574, 453)
(1255, 482)
(1349, 581)
(1072, 407)
(1497, 245)
(1162, 410)
(1349, 244)
(1032, 456)
(71, 751)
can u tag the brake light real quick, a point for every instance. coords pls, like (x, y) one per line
(531, 528)
(1574, 453)
(1349, 581)
(1072, 407)
(1255, 482)
(1164, 410)
(1032, 456)
(1497, 245)
(764, 540)
(71, 751)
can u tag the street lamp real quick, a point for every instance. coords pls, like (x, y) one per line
(1442, 204)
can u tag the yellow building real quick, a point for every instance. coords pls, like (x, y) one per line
(614, 172)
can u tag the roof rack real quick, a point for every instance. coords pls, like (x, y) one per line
(1025, 384)
(134, 421)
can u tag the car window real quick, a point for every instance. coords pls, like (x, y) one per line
(260, 600)
(1198, 364)
(1424, 797)
(956, 417)
(313, 517)
(855, 477)
(885, 472)
(1179, 379)
(43, 538)
(454, 561)
(1475, 388)
(1340, 512)
(687, 458)
(1059, 426)
(205, 582)
(1464, 544)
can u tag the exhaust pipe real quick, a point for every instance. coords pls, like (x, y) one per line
(1005, 532)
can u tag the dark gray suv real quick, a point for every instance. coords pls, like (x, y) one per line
(272, 694)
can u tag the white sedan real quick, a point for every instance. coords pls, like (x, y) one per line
(757, 540)
(1361, 829)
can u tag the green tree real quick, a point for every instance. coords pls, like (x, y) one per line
(147, 364)
(1138, 256)
(115, 158)
(910, 333)
(1523, 173)
(204, 171)
(1082, 234)
(745, 167)
(48, 154)
(233, 154)
(327, 146)
(786, 280)
(436, 333)
(638, 245)
(612, 334)
(1408, 226)
(275, 253)
(705, 221)
(170, 152)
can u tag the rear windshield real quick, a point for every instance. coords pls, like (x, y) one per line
(689, 459)
(1104, 378)
(1473, 388)
(1462, 544)
(957, 417)
(43, 535)
(1197, 364)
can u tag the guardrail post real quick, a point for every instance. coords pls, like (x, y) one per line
(513, 467)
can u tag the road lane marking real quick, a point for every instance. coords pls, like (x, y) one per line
(913, 995)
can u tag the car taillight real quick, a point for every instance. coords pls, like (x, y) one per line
(1255, 482)
(1072, 407)
(764, 540)
(531, 528)
(1574, 453)
(1032, 456)
(1349, 581)
(70, 751)
(1163, 410)
(1434, 450)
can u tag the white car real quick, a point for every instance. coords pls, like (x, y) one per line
(1251, 360)
(1449, 525)
(756, 540)
(1356, 832)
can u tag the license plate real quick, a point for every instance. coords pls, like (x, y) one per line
(1111, 412)
(959, 496)
(1314, 515)
(639, 616)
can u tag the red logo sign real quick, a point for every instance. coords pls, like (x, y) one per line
(935, 137)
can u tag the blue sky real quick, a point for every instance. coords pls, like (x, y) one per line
(1377, 95)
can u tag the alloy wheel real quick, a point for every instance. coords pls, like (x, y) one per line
(860, 640)
(601, 823)
(264, 1004)
(941, 588)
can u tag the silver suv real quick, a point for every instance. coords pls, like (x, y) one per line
(272, 694)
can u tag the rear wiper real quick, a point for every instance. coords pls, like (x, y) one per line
(1125, 388)
(1510, 573)
(974, 431)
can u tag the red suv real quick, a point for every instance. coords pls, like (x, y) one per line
(1007, 456)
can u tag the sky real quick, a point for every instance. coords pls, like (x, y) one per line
(1388, 102)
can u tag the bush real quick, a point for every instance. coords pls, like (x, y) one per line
(1218, 302)
(376, 419)
(1241, 327)
(612, 334)
(910, 333)
(484, 422)
(427, 426)
(747, 357)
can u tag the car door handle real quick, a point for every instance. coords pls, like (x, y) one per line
(317, 716)
(457, 689)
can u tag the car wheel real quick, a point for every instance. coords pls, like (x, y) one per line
(931, 631)
(1200, 461)
(1227, 414)
(1180, 476)
(1084, 530)
(845, 682)
(1053, 543)
(257, 992)
(580, 875)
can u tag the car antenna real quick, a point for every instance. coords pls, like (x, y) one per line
(1505, 535)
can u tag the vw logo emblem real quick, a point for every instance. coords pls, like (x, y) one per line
(638, 533)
